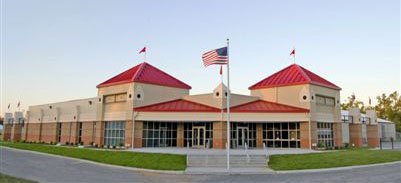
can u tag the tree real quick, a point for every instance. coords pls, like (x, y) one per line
(353, 102)
(389, 108)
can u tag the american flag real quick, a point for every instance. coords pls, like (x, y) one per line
(216, 56)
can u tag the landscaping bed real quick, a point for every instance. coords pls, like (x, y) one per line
(333, 159)
(153, 161)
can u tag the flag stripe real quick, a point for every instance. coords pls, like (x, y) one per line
(217, 56)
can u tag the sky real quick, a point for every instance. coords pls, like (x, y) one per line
(60, 50)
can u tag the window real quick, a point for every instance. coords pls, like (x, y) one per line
(324, 100)
(122, 97)
(58, 132)
(114, 133)
(10, 121)
(79, 132)
(325, 135)
(347, 119)
(281, 134)
(365, 120)
(159, 134)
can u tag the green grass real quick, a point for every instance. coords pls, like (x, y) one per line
(332, 159)
(8, 179)
(153, 161)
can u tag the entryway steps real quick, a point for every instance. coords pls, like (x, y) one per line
(236, 161)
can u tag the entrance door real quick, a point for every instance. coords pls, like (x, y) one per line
(243, 136)
(163, 137)
(198, 136)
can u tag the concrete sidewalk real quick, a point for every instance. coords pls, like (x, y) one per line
(191, 151)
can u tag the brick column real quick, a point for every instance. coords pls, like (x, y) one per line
(7, 131)
(87, 133)
(219, 134)
(99, 126)
(128, 133)
(180, 135)
(373, 135)
(355, 135)
(138, 134)
(304, 130)
(259, 135)
(337, 131)
(16, 132)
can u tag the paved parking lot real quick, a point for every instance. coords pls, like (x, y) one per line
(44, 168)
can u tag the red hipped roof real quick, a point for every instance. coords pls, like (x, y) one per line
(267, 107)
(145, 73)
(179, 105)
(293, 75)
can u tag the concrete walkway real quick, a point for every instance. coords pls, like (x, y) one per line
(191, 151)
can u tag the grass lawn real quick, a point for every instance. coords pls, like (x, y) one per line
(332, 159)
(153, 161)
(5, 179)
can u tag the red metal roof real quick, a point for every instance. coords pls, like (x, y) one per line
(261, 106)
(145, 73)
(179, 105)
(293, 75)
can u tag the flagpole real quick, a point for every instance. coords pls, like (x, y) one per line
(144, 58)
(228, 108)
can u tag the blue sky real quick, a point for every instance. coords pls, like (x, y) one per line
(60, 50)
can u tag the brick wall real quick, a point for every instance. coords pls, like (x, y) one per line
(16, 132)
(138, 134)
(219, 134)
(7, 132)
(304, 130)
(355, 134)
(128, 133)
(259, 135)
(49, 131)
(373, 135)
(337, 131)
(87, 133)
(180, 135)
(33, 133)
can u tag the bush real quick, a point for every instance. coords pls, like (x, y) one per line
(67, 143)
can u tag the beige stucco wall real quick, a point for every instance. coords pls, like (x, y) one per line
(81, 109)
(325, 113)
(289, 95)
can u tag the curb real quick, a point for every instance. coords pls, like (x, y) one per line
(98, 163)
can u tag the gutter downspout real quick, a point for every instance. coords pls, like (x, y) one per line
(134, 115)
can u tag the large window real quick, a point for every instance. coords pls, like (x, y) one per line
(325, 135)
(188, 133)
(114, 133)
(242, 133)
(159, 134)
(122, 97)
(281, 134)
(324, 100)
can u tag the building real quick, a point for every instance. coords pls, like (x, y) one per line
(146, 107)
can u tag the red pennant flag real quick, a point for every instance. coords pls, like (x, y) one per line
(143, 50)
(292, 52)
(221, 70)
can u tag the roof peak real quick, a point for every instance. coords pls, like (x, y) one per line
(145, 73)
(293, 74)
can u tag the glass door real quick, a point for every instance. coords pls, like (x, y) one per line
(242, 134)
(163, 137)
(198, 136)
